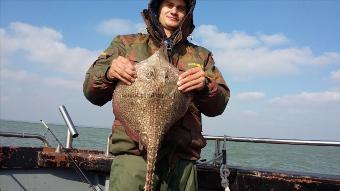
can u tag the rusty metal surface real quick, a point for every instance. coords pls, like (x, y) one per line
(46, 157)
(241, 179)
(19, 157)
(246, 179)
(87, 160)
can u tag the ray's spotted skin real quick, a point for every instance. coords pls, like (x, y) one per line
(150, 106)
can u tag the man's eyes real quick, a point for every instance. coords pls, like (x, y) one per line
(181, 8)
(171, 5)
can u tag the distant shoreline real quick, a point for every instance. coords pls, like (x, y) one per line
(60, 124)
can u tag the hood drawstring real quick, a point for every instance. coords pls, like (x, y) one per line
(168, 44)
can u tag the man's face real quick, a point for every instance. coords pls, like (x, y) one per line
(171, 13)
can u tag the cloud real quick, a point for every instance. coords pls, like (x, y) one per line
(43, 46)
(209, 35)
(250, 96)
(306, 115)
(70, 84)
(22, 76)
(18, 75)
(308, 98)
(249, 113)
(245, 56)
(275, 39)
(39, 71)
(335, 76)
(117, 26)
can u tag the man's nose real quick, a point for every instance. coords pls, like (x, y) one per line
(174, 10)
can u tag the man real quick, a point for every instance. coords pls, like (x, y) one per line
(169, 23)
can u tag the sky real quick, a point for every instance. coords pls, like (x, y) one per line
(281, 60)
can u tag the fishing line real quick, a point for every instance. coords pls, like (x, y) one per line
(77, 168)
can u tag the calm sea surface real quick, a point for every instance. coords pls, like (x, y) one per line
(315, 159)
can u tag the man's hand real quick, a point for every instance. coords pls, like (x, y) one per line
(122, 69)
(192, 79)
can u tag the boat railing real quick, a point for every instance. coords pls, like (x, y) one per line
(26, 135)
(220, 153)
(219, 139)
(274, 141)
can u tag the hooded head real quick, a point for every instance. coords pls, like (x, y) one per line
(156, 30)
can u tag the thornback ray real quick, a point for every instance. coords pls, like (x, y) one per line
(150, 106)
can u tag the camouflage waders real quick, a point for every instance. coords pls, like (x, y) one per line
(128, 170)
(128, 173)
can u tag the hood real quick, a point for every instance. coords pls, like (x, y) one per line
(155, 29)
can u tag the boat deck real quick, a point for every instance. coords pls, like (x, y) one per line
(53, 171)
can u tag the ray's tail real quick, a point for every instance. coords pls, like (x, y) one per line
(152, 150)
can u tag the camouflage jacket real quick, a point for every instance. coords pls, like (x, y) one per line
(185, 137)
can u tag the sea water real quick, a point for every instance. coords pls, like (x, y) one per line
(314, 159)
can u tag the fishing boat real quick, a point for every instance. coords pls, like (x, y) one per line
(67, 168)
